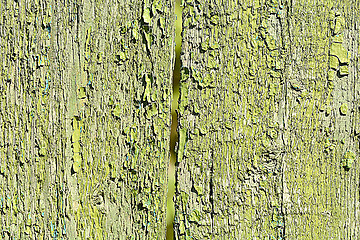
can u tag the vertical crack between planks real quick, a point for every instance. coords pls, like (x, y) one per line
(212, 196)
(170, 213)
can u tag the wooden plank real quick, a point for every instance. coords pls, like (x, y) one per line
(85, 113)
(266, 133)
(320, 186)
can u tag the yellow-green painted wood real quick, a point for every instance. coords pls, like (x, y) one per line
(268, 120)
(85, 118)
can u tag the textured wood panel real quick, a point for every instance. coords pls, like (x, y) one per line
(268, 121)
(85, 118)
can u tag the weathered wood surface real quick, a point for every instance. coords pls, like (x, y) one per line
(85, 118)
(268, 120)
(320, 177)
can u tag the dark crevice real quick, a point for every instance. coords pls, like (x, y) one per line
(174, 124)
(211, 197)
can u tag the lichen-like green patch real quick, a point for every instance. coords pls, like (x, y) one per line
(344, 109)
(348, 160)
(338, 50)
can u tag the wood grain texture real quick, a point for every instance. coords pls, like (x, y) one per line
(321, 186)
(268, 121)
(85, 118)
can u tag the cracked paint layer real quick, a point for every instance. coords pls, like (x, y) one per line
(85, 98)
(231, 121)
(268, 122)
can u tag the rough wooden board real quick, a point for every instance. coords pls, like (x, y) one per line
(320, 188)
(256, 108)
(85, 113)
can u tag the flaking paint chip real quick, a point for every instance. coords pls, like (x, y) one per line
(334, 62)
(343, 109)
(348, 160)
(76, 147)
(344, 70)
(76, 135)
(338, 50)
(77, 162)
(146, 15)
(82, 93)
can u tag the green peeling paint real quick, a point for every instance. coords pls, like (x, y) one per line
(340, 52)
(348, 159)
(182, 142)
(344, 109)
(70, 83)
(268, 115)
(146, 15)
